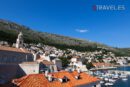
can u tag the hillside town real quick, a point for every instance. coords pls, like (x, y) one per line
(39, 65)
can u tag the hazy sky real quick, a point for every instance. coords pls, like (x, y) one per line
(74, 18)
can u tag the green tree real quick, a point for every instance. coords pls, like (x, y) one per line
(65, 61)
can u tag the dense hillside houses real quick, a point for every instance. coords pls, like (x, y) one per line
(103, 65)
(76, 62)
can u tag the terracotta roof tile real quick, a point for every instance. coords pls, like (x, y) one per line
(14, 49)
(76, 57)
(34, 80)
(85, 78)
(61, 74)
(39, 80)
(102, 64)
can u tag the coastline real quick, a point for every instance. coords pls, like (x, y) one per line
(105, 68)
(121, 65)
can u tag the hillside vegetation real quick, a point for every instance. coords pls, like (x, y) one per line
(9, 31)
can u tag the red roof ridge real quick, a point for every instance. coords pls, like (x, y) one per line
(40, 80)
(22, 50)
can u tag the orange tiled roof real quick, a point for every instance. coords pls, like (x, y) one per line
(14, 49)
(60, 75)
(85, 78)
(101, 64)
(76, 57)
(39, 80)
(33, 80)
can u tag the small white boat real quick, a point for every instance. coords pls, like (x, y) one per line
(123, 76)
(124, 79)
(101, 77)
(112, 80)
(109, 84)
(115, 76)
(106, 79)
(104, 75)
(101, 82)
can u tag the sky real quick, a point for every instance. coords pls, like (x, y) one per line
(75, 18)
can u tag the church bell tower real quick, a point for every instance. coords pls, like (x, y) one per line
(19, 41)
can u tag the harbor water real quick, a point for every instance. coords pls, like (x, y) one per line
(120, 82)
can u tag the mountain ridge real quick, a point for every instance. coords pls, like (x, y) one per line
(9, 31)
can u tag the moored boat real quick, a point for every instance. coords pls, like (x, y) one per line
(109, 84)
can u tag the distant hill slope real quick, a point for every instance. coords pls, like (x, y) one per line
(9, 31)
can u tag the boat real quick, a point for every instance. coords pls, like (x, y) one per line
(112, 80)
(124, 79)
(101, 77)
(102, 82)
(123, 76)
(109, 84)
(116, 76)
(106, 79)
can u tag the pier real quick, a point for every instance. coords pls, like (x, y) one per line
(104, 68)
(121, 71)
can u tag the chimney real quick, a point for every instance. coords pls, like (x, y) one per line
(77, 77)
(64, 79)
(78, 70)
(35, 54)
(50, 78)
(61, 80)
(46, 73)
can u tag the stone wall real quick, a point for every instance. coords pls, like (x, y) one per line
(12, 71)
(9, 71)
(30, 68)
(58, 63)
(15, 57)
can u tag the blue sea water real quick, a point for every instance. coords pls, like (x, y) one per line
(121, 83)
(126, 68)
